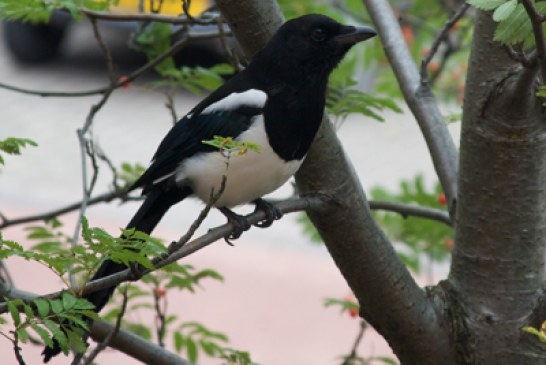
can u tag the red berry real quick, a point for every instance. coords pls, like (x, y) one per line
(408, 34)
(126, 84)
(160, 292)
(442, 199)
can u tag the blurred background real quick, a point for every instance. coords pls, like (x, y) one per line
(276, 281)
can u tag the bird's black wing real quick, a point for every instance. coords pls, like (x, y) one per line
(186, 137)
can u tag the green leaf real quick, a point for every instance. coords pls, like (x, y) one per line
(178, 341)
(42, 306)
(11, 145)
(191, 350)
(76, 341)
(44, 335)
(68, 300)
(486, 4)
(12, 308)
(58, 334)
(505, 10)
(56, 306)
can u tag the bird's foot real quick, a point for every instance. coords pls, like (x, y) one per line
(272, 213)
(240, 224)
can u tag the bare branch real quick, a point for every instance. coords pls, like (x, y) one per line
(413, 210)
(133, 345)
(419, 98)
(353, 355)
(17, 349)
(538, 31)
(106, 341)
(102, 198)
(147, 17)
(439, 39)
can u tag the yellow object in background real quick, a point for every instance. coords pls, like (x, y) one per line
(169, 7)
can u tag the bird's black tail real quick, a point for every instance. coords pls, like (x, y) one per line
(156, 204)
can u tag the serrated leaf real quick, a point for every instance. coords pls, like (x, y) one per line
(505, 10)
(68, 300)
(12, 308)
(44, 335)
(22, 333)
(486, 4)
(56, 306)
(76, 342)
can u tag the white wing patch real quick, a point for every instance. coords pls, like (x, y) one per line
(248, 177)
(253, 98)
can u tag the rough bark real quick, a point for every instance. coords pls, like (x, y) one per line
(497, 271)
(389, 298)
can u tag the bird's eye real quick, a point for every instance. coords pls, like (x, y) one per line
(318, 35)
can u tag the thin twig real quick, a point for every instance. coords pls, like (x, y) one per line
(105, 50)
(177, 46)
(353, 355)
(186, 9)
(439, 39)
(17, 349)
(102, 198)
(412, 210)
(160, 316)
(538, 31)
(527, 60)
(104, 343)
(147, 17)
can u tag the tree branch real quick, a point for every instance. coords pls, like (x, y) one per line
(538, 32)
(177, 46)
(102, 198)
(213, 235)
(127, 342)
(439, 39)
(367, 259)
(413, 210)
(419, 98)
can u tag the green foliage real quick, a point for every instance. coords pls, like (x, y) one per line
(13, 146)
(344, 304)
(195, 79)
(540, 333)
(542, 93)
(39, 11)
(53, 249)
(155, 39)
(417, 236)
(129, 173)
(344, 99)
(228, 146)
(514, 24)
(414, 236)
(64, 320)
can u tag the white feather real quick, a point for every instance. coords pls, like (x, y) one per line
(249, 177)
(253, 98)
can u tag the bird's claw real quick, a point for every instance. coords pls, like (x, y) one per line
(272, 213)
(240, 224)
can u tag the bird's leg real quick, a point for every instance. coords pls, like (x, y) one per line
(272, 213)
(239, 222)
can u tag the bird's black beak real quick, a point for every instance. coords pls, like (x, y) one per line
(351, 35)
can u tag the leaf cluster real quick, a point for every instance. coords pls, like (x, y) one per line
(13, 146)
(514, 25)
(39, 11)
(63, 320)
(228, 146)
(415, 236)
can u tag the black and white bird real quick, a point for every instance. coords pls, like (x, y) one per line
(277, 102)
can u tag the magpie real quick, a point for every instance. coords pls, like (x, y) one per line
(276, 102)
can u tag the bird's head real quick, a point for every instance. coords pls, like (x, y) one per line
(311, 45)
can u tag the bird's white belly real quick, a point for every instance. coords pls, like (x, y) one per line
(248, 177)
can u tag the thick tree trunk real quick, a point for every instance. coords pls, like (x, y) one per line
(497, 272)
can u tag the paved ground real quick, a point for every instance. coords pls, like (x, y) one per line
(276, 281)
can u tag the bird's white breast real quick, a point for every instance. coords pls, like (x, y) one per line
(249, 176)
